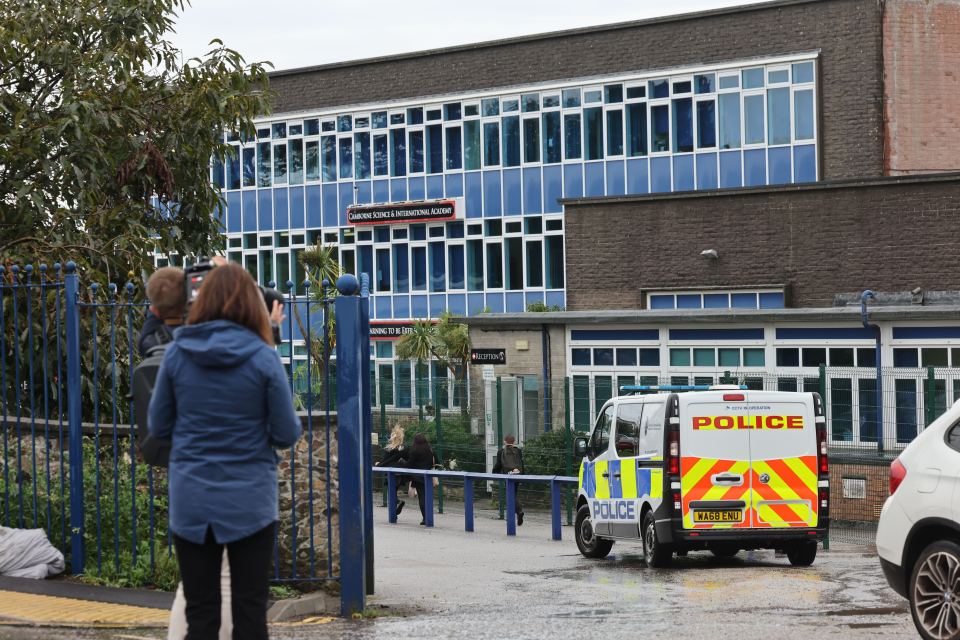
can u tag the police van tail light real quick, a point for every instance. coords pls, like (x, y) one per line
(673, 453)
(677, 504)
(824, 498)
(823, 460)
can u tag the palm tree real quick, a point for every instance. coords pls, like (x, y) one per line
(447, 342)
(320, 263)
(419, 344)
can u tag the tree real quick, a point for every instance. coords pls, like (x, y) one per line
(321, 264)
(447, 342)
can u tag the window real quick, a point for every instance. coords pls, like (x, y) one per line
(435, 148)
(511, 141)
(803, 114)
(295, 161)
(706, 124)
(530, 102)
(312, 159)
(381, 155)
(494, 265)
(626, 357)
(729, 120)
(416, 151)
(841, 407)
(455, 274)
(953, 437)
(637, 129)
(346, 157)
(551, 137)
(593, 132)
(361, 146)
(659, 89)
(419, 255)
(491, 144)
(778, 116)
(475, 265)
(705, 83)
(571, 98)
(753, 119)
(554, 262)
(752, 78)
(398, 159)
(571, 136)
(401, 268)
(615, 133)
(534, 263)
(683, 125)
(660, 114)
(383, 270)
(513, 248)
(628, 430)
(471, 145)
(600, 440)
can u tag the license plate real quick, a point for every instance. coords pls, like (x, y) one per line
(718, 515)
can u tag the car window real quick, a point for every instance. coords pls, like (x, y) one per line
(953, 437)
(628, 429)
(651, 436)
(601, 434)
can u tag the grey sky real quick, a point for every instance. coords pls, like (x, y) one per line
(299, 33)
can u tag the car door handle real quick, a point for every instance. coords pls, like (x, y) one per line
(727, 479)
(605, 475)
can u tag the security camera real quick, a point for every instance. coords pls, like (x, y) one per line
(709, 253)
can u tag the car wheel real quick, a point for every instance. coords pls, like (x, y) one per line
(802, 554)
(590, 545)
(656, 553)
(725, 552)
(935, 591)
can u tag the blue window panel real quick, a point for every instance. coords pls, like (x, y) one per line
(474, 199)
(345, 191)
(716, 334)
(616, 178)
(381, 191)
(511, 192)
(731, 172)
(454, 186)
(438, 267)
(572, 180)
(365, 262)
(515, 303)
(661, 302)
(264, 209)
(234, 215)
(552, 189)
(804, 163)
(556, 298)
(637, 176)
(249, 210)
(495, 302)
(281, 209)
(532, 196)
(534, 297)
(838, 333)
(780, 170)
(438, 304)
(716, 300)
(475, 303)
(314, 198)
(418, 307)
(457, 303)
(906, 358)
(707, 171)
(660, 175)
(398, 189)
(688, 301)
(297, 218)
(382, 303)
(755, 167)
(435, 187)
(491, 194)
(330, 218)
(772, 300)
(743, 300)
(581, 357)
(925, 333)
(401, 307)
(614, 335)
(417, 190)
(363, 193)
(594, 178)
(683, 173)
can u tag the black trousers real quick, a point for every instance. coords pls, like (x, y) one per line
(249, 584)
(418, 485)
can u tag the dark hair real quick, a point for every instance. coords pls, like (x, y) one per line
(229, 293)
(420, 443)
(167, 292)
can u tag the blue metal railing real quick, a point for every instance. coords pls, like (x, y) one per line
(509, 481)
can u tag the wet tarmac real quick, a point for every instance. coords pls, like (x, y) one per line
(444, 583)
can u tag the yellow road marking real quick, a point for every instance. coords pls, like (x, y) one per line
(40, 609)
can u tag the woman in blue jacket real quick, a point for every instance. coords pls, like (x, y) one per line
(223, 399)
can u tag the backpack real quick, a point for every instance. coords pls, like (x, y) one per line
(154, 450)
(511, 459)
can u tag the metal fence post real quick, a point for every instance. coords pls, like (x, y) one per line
(930, 391)
(439, 428)
(72, 293)
(822, 388)
(500, 489)
(383, 435)
(568, 449)
(367, 430)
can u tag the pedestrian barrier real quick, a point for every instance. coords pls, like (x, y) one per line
(509, 480)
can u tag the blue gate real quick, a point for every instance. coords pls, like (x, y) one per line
(70, 462)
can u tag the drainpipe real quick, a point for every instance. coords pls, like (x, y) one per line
(864, 317)
(547, 386)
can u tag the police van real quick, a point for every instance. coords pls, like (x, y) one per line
(719, 468)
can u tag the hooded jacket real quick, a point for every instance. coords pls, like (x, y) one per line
(222, 398)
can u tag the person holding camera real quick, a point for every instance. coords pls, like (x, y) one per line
(222, 397)
(168, 301)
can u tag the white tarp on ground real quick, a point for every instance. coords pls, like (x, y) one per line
(26, 553)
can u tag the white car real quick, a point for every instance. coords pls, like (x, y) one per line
(918, 537)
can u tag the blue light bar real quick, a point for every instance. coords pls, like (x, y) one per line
(650, 388)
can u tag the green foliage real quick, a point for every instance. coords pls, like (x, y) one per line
(283, 592)
(541, 307)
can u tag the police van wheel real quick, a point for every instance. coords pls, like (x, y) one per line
(590, 545)
(802, 554)
(656, 553)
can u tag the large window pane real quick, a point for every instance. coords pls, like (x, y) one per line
(475, 265)
(401, 268)
(491, 144)
(435, 149)
(233, 168)
(729, 120)
(535, 264)
(551, 137)
(346, 157)
(614, 133)
(867, 392)
(249, 168)
(280, 163)
(511, 141)
(404, 390)
(264, 168)
(329, 158)
(906, 411)
(571, 136)
(295, 161)
(361, 147)
(312, 160)
(455, 267)
(637, 129)
(419, 255)
(494, 266)
(514, 262)
(660, 114)
(841, 407)
(471, 145)
(554, 262)
(383, 270)
(415, 146)
(706, 124)
(778, 116)
(683, 125)
(438, 267)
(753, 119)
(381, 156)
(398, 160)
(531, 140)
(593, 132)
(803, 114)
(454, 152)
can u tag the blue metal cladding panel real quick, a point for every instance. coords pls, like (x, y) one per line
(297, 217)
(593, 172)
(249, 210)
(532, 195)
(418, 307)
(401, 307)
(363, 193)
(345, 192)
(281, 209)
(573, 180)
(495, 302)
(616, 178)
(660, 175)
(330, 218)
(474, 198)
(772, 300)
(614, 335)
(755, 167)
(716, 334)
(923, 333)
(457, 303)
(265, 209)
(683, 173)
(381, 191)
(491, 194)
(707, 171)
(512, 204)
(552, 188)
(515, 303)
(780, 169)
(731, 171)
(805, 163)
(398, 189)
(454, 186)
(534, 296)
(438, 304)
(638, 179)
(556, 298)
(475, 303)
(234, 212)
(417, 189)
(435, 187)
(827, 333)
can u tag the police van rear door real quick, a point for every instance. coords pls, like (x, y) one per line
(594, 473)
(714, 462)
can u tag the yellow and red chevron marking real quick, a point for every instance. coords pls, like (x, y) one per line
(696, 483)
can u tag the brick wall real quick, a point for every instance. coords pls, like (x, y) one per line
(886, 235)
(846, 32)
(921, 55)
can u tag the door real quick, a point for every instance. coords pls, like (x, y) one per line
(623, 509)
(594, 471)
